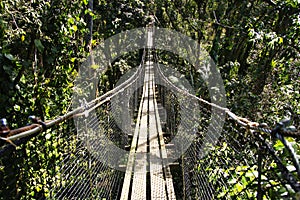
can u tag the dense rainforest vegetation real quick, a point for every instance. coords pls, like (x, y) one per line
(254, 43)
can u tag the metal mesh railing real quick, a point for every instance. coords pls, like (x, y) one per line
(240, 163)
(245, 160)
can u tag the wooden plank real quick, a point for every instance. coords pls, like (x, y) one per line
(150, 38)
(167, 172)
(140, 166)
(148, 130)
(157, 181)
(130, 162)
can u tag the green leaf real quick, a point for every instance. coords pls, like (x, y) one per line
(8, 69)
(39, 45)
(293, 3)
(244, 181)
(71, 20)
(38, 187)
(48, 136)
(85, 2)
(22, 38)
(239, 187)
(9, 56)
(279, 146)
(74, 27)
(232, 181)
(17, 107)
(95, 66)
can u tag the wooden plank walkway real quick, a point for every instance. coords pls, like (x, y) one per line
(148, 152)
(134, 144)
(161, 183)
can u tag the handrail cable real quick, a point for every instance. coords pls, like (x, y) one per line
(276, 133)
(83, 108)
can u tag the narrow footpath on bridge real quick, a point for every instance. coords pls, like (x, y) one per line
(148, 150)
(65, 158)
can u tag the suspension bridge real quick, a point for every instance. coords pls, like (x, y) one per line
(240, 163)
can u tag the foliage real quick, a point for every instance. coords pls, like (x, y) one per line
(255, 45)
(39, 55)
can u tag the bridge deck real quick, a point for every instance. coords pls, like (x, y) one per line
(148, 151)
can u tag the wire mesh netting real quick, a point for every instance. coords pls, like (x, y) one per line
(242, 165)
(57, 164)
(239, 162)
(65, 161)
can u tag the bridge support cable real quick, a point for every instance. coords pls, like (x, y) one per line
(63, 162)
(74, 169)
(229, 168)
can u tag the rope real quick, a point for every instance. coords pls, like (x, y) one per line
(277, 133)
(215, 174)
(82, 110)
